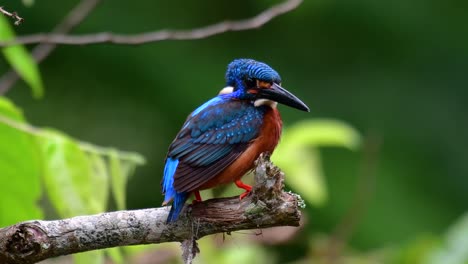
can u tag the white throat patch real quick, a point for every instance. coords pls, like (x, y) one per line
(226, 90)
(267, 102)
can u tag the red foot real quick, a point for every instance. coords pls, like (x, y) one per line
(197, 197)
(244, 186)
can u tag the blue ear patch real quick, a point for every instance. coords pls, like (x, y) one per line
(168, 179)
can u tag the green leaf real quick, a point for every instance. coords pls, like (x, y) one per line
(304, 174)
(322, 132)
(68, 175)
(118, 179)
(297, 154)
(20, 170)
(20, 59)
(99, 181)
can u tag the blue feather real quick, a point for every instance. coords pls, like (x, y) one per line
(170, 193)
(214, 101)
(177, 206)
(212, 130)
(168, 179)
(250, 69)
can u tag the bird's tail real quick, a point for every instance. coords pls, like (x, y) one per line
(177, 205)
(178, 199)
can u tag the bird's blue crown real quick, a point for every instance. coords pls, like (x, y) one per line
(242, 71)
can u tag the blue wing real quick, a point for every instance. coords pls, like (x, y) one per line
(212, 138)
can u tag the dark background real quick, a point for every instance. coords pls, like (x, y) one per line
(396, 69)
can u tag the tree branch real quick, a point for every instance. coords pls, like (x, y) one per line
(14, 15)
(149, 37)
(41, 51)
(266, 206)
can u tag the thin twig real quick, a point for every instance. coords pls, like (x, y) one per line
(14, 15)
(155, 36)
(41, 51)
(49, 41)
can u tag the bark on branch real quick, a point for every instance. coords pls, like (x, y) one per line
(267, 206)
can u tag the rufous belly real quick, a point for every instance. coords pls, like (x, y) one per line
(266, 142)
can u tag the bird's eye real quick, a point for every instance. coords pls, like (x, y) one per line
(250, 83)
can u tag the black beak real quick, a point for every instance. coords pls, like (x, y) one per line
(279, 94)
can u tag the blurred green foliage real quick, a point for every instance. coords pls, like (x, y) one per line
(394, 68)
(20, 59)
(75, 175)
(297, 154)
(20, 171)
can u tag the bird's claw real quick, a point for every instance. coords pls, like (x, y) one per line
(243, 195)
(244, 186)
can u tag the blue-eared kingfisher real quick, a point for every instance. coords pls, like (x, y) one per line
(220, 141)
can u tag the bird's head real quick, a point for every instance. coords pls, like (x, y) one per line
(258, 82)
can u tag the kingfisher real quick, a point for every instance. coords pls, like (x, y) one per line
(220, 140)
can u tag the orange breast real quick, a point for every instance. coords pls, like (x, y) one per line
(266, 141)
